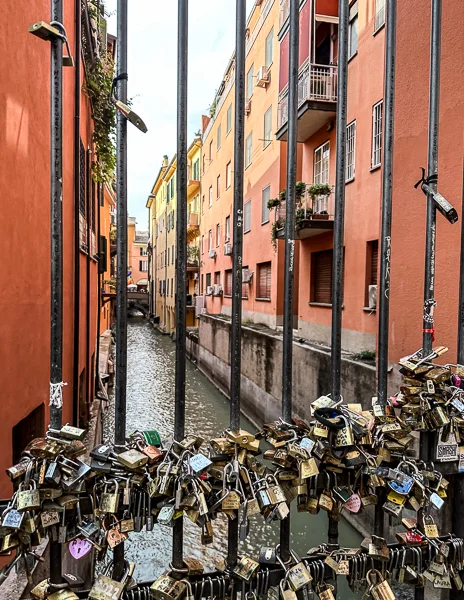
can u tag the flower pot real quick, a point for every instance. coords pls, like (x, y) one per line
(317, 217)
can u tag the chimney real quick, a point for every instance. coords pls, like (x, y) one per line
(204, 122)
(165, 160)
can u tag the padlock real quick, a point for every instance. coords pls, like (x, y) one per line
(298, 574)
(275, 491)
(286, 592)
(132, 459)
(168, 588)
(194, 566)
(53, 474)
(344, 436)
(430, 527)
(28, 496)
(246, 568)
(267, 556)
(63, 595)
(114, 535)
(378, 586)
(110, 500)
(239, 437)
(199, 463)
(105, 587)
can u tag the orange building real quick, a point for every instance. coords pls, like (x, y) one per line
(139, 259)
(25, 226)
(107, 251)
(264, 169)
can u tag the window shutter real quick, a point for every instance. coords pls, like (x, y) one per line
(264, 283)
(228, 283)
(374, 262)
(323, 277)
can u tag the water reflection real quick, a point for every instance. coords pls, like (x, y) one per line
(150, 398)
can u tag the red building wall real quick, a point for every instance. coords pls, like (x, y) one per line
(25, 223)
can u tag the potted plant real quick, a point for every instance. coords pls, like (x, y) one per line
(273, 203)
(276, 226)
(283, 195)
(321, 216)
(300, 190)
(319, 189)
(302, 215)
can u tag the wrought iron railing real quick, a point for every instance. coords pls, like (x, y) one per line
(315, 82)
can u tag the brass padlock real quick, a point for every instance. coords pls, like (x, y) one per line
(168, 588)
(379, 587)
(110, 500)
(430, 527)
(246, 568)
(28, 496)
(105, 587)
(132, 459)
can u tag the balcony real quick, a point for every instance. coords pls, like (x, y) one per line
(193, 181)
(317, 98)
(193, 228)
(314, 216)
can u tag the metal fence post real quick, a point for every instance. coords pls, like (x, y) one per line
(236, 332)
(431, 225)
(339, 223)
(385, 235)
(181, 255)
(289, 276)
(121, 271)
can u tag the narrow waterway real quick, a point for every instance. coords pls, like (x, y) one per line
(150, 398)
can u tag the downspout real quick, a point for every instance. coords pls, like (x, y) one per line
(100, 197)
(87, 278)
(77, 178)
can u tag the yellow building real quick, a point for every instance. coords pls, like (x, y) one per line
(162, 206)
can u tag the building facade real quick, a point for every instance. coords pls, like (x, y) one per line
(25, 221)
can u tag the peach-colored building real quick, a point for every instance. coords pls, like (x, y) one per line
(264, 166)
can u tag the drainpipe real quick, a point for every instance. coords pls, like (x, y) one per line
(99, 286)
(77, 178)
(165, 265)
(89, 190)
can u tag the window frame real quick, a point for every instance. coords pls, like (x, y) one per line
(250, 79)
(267, 140)
(377, 134)
(249, 150)
(229, 119)
(210, 196)
(219, 137)
(264, 205)
(372, 252)
(270, 36)
(218, 235)
(227, 229)
(247, 204)
(228, 174)
(353, 19)
(228, 283)
(350, 175)
(268, 285)
(378, 24)
(210, 240)
(218, 187)
(315, 162)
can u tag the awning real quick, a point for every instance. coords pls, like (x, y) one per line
(326, 19)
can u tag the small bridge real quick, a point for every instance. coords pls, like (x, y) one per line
(135, 301)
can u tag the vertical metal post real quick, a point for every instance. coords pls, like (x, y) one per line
(56, 234)
(121, 253)
(289, 276)
(181, 254)
(339, 223)
(236, 331)
(431, 222)
(432, 169)
(385, 235)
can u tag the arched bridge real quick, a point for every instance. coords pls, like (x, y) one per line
(138, 301)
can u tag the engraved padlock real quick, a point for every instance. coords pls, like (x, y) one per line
(28, 496)
(109, 501)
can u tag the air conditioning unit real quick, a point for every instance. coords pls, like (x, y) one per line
(212, 253)
(227, 249)
(248, 107)
(372, 296)
(217, 290)
(263, 77)
(247, 276)
(209, 290)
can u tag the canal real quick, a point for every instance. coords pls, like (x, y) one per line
(150, 405)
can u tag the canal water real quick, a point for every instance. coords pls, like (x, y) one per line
(150, 405)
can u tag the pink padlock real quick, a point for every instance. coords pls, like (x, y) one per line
(353, 504)
(79, 547)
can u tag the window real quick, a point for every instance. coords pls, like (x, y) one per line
(172, 287)
(228, 282)
(210, 239)
(377, 134)
(247, 217)
(218, 186)
(204, 161)
(211, 151)
(143, 266)
(143, 252)
(229, 119)
(266, 195)
(250, 82)
(202, 244)
(350, 150)
(202, 284)
(227, 229)
(269, 49)
(203, 205)
(228, 175)
(353, 31)
(321, 175)
(217, 277)
(172, 254)
(219, 134)
(267, 127)
(196, 170)
(208, 280)
(218, 234)
(248, 150)
(169, 254)
(245, 286)
(379, 14)
(211, 196)
(264, 281)
(321, 277)
(372, 264)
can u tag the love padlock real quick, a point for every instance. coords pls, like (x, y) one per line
(353, 504)
(79, 547)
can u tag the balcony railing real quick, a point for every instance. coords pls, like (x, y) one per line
(315, 82)
(192, 220)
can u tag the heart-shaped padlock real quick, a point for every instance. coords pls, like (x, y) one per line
(353, 504)
(79, 547)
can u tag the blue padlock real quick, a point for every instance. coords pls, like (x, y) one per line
(402, 485)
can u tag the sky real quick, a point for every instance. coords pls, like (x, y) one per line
(152, 85)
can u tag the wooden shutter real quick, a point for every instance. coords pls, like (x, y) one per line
(323, 277)
(374, 262)
(228, 284)
(264, 281)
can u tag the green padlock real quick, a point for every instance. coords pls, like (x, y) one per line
(152, 437)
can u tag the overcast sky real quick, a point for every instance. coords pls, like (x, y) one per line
(153, 80)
